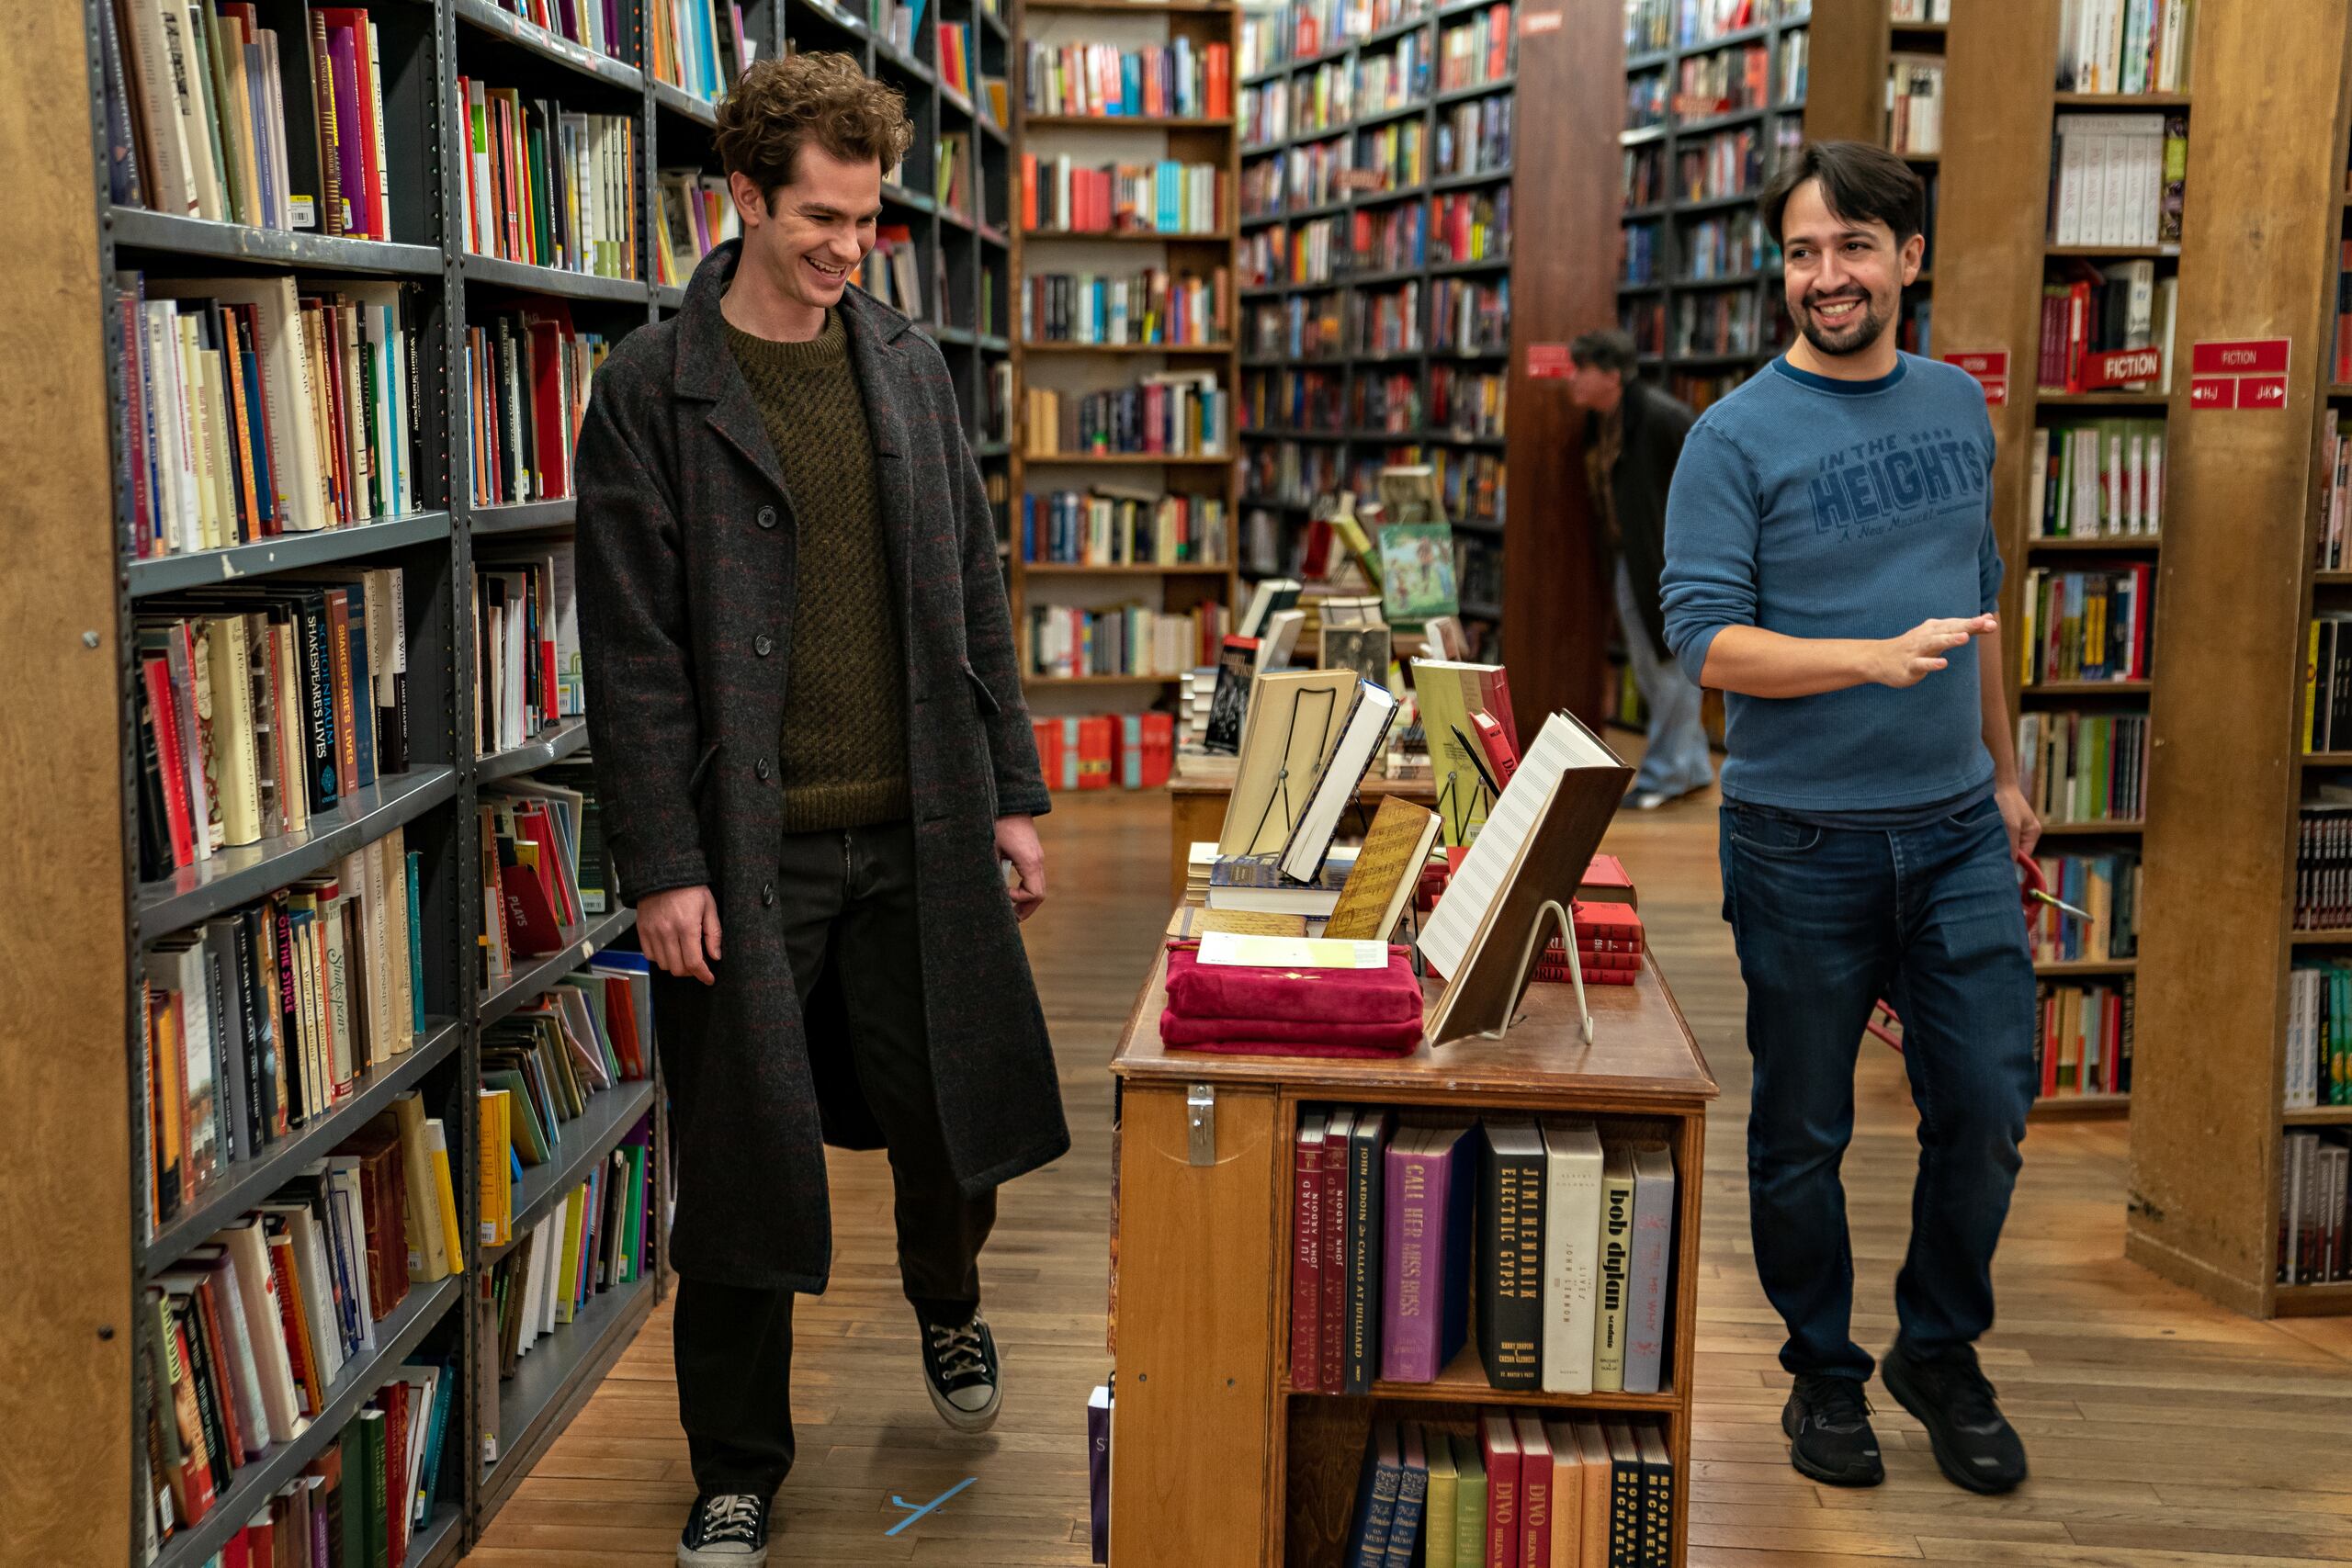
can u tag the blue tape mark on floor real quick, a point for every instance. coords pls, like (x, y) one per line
(898, 1501)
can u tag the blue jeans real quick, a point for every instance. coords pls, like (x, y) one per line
(1826, 920)
(1676, 761)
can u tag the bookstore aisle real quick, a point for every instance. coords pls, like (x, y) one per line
(2155, 1418)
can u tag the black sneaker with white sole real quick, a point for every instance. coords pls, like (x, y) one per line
(1976, 1447)
(959, 1367)
(727, 1530)
(1828, 1426)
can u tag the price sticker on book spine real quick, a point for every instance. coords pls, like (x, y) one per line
(1237, 949)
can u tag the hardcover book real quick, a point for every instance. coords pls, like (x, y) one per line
(1498, 1444)
(1535, 1493)
(1307, 1254)
(1571, 1234)
(1375, 1512)
(1412, 1498)
(1366, 1190)
(1652, 1266)
(1511, 1252)
(1615, 1270)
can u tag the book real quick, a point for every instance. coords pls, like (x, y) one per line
(1417, 578)
(1365, 649)
(1611, 1315)
(1334, 786)
(1386, 871)
(1509, 1259)
(1412, 1499)
(1657, 1497)
(1292, 726)
(1535, 1493)
(1498, 1446)
(1572, 1165)
(1442, 1501)
(1470, 1502)
(1375, 1509)
(1307, 1253)
(1236, 661)
(1098, 1472)
(1624, 1495)
(1598, 1479)
(1367, 1189)
(1566, 1503)
(1650, 1271)
(1338, 1133)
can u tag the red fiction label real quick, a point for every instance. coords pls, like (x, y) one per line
(2121, 367)
(1991, 368)
(2240, 357)
(1533, 22)
(1997, 390)
(1549, 361)
(2212, 392)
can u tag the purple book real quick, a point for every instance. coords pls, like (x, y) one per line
(1098, 1470)
(350, 145)
(1425, 1284)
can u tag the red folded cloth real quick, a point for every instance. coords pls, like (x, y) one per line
(1320, 996)
(1205, 1033)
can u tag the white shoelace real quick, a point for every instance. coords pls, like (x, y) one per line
(959, 1350)
(731, 1516)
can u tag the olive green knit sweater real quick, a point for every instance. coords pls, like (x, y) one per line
(844, 749)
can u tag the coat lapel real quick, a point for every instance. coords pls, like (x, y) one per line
(880, 359)
(704, 369)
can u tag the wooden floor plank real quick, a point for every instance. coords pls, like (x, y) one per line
(2165, 1432)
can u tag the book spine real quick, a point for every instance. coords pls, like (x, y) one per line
(1615, 1261)
(1409, 1286)
(1334, 1253)
(1306, 1267)
(1653, 1252)
(1364, 1191)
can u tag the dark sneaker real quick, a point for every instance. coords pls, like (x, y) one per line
(1976, 1446)
(959, 1367)
(1829, 1424)
(727, 1530)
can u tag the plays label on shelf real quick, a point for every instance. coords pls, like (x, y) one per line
(1991, 368)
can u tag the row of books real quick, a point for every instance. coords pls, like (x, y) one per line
(256, 411)
(547, 188)
(1175, 80)
(259, 705)
(2083, 1039)
(1294, 399)
(251, 1332)
(1066, 641)
(1304, 29)
(1172, 414)
(1467, 226)
(543, 865)
(2314, 1238)
(526, 377)
(597, 25)
(955, 182)
(695, 45)
(2084, 767)
(2319, 1034)
(1726, 164)
(1915, 104)
(2088, 624)
(527, 672)
(2336, 481)
(1938, 12)
(1149, 306)
(2124, 46)
(258, 1023)
(956, 70)
(2107, 886)
(1722, 83)
(1575, 1491)
(1391, 80)
(2099, 479)
(1476, 52)
(1468, 316)
(697, 217)
(1132, 750)
(1163, 198)
(593, 1239)
(2327, 682)
(1473, 137)
(202, 125)
(892, 272)
(544, 1064)
(1104, 526)
(1730, 246)
(1564, 1242)
(2324, 865)
(2118, 179)
(2089, 310)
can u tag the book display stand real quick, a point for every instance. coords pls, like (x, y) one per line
(1553, 915)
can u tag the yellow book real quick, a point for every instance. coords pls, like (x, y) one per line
(234, 759)
(1387, 870)
(569, 1256)
(429, 1258)
(2311, 684)
(1455, 765)
(497, 1196)
(444, 1188)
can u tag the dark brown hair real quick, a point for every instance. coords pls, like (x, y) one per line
(1859, 183)
(1605, 349)
(781, 105)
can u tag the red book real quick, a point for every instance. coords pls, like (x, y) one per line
(1306, 1255)
(1159, 749)
(1335, 1258)
(171, 756)
(1502, 753)
(620, 1008)
(393, 1398)
(1498, 1438)
(1094, 753)
(1534, 1495)
(549, 333)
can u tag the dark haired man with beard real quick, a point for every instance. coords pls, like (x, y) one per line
(1830, 566)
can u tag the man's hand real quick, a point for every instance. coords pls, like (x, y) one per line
(677, 929)
(1919, 653)
(2025, 828)
(1017, 840)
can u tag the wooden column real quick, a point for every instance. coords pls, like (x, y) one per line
(2258, 259)
(1844, 96)
(1563, 281)
(65, 1338)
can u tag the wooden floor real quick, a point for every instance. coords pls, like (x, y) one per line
(2163, 1432)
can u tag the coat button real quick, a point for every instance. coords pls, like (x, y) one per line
(767, 516)
(763, 645)
(761, 768)
(767, 894)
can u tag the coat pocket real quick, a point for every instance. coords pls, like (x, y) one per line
(702, 771)
(980, 692)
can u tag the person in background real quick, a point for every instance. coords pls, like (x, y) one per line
(1633, 438)
(812, 758)
(1830, 565)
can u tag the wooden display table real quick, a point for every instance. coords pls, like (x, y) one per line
(1214, 1459)
(1196, 811)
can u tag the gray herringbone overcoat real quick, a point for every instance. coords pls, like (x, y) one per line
(686, 588)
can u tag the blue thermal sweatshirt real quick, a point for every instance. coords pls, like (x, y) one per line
(1819, 508)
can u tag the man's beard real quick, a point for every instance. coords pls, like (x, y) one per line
(1861, 329)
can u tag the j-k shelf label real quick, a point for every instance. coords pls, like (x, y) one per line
(2238, 373)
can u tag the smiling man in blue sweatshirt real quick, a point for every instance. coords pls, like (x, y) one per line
(1830, 566)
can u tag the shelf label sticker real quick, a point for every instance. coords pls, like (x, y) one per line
(2239, 357)
(1549, 361)
(2212, 392)
(2262, 393)
(1533, 22)
(1990, 367)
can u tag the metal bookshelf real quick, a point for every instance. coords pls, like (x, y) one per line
(1363, 442)
(965, 271)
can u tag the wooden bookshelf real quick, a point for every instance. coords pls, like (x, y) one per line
(1353, 445)
(1222, 1460)
(1076, 368)
(79, 1371)
(1856, 46)
(2224, 766)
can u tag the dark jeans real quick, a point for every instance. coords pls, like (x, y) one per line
(849, 901)
(1826, 920)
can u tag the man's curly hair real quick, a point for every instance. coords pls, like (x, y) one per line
(781, 105)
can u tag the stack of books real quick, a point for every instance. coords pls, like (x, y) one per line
(1521, 1489)
(1147, 307)
(2323, 867)
(1914, 99)
(2104, 478)
(2084, 767)
(527, 390)
(2089, 624)
(2088, 309)
(1128, 640)
(2319, 1035)
(2083, 1044)
(2107, 885)
(1172, 414)
(1176, 80)
(1608, 946)
(1104, 526)
(1132, 750)
(547, 188)
(2314, 1238)
(1565, 1242)
(1165, 197)
(590, 1241)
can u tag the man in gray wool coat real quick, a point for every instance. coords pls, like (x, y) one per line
(812, 754)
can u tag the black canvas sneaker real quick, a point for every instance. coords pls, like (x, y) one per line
(727, 1530)
(959, 1367)
(1976, 1446)
(1829, 1424)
